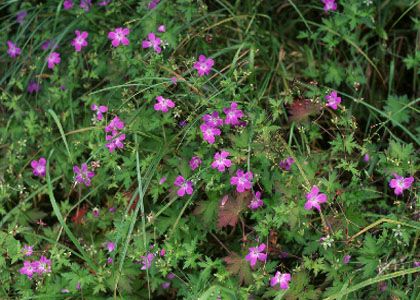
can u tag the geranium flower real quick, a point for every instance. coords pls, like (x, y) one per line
(203, 65)
(110, 246)
(27, 250)
(242, 180)
(152, 41)
(68, 4)
(161, 28)
(333, 100)
(233, 114)
(184, 186)
(209, 132)
(163, 104)
(104, 2)
(39, 167)
(115, 125)
(53, 59)
(80, 41)
(213, 119)
(152, 4)
(20, 16)
(33, 87)
(286, 164)
(346, 259)
(256, 201)
(83, 175)
(43, 265)
(329, 5)
(281, 279)
(220, 161)
(116, 141)
(399, 183)
(119, 36)
(147, 261)
(255, 254)
(100, 110)
(195, 162)
(85, 4)
(28, 269)
(314, 199)
(13, 50)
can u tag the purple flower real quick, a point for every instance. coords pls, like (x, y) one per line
(27, 250)
(109, 260)
(184, 186)
(68, 4)
(99, 110)
(173, 80)
(166, 285)
(83, 175)
(110, 246)
(195, 162)
(233, 114)
(162, 252)
(115, 125)
(33, 87)
(281, 279)
(416, 264)
(53, 59)
(104, 2)
(20, 16)
(95, 212)
(162, 180)
(333, 100)
(213, 119)
(152, 4)
(382, 286)
(286, 164)
(314, 199)
(242, 180)
(163, 104)
(80, 40)
(39, 167)
(13, 50)
(399, 183)
(48, 44)
(78, 286)
(44, 265)
(220, 161)
(329, 5)
(366, 158)
(209, 132)
(256, 201)
(28, 269)
(346, 259)
(170, 276)
(203, 65)
(147, 261)
(118, 36)
(161, 28)
(115, 141)
(152, 41)
(112, 209)
(256, 253)
(85, 4)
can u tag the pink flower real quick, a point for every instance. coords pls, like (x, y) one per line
(118, 36)
(83, 175)
(286, 164)
(256, 201)
(104, 2)
(203, 65)
(109, 260)
(366, 158)
(85, 4)
(95, 212)
(80, 41)
(68, 4)
(163, 104)
(99, 110)
(233, 114)
(28, 269)
(314, 199)
(116, 141)
(213, 119)
(115, 125)
(329, 5)
(161, 28)
(346, 259)
(174, 80)
(20, 16)
(220, 161)
(152, 41)
(242, 180)
(209, 132)
(43, 265)
(195, 162)
(39, 167)
(333, 100)
(162, 180)
(110, 246)
(53, 59)
(27, 250)
(147, 261)
(256, 253)
(280, 279)
(152, 4)
(33, 87)
(13, 50)
(184, 186)
(399, 183)
(166, 285)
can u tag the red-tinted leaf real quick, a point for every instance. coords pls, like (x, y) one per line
(237, 265)
(301, 109)
(230, 209)
(79, 215)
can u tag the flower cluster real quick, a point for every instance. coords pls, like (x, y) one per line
(115, 139)
(100, 110)
(41, 266)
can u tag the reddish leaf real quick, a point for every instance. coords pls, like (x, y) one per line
(231, 207)
(79, 215)
(301, 109)
(237, 265)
